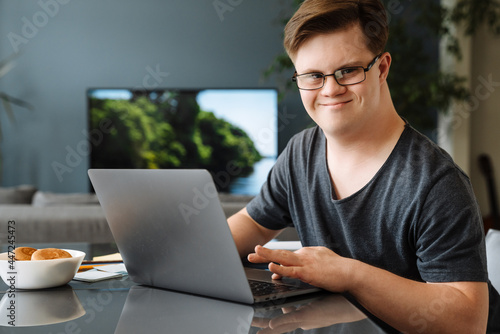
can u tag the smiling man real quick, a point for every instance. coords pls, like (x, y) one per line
(383, 213)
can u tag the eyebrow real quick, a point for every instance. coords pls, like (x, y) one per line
(355, 63)
(351, 64)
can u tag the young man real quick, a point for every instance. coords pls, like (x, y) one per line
(384, 214)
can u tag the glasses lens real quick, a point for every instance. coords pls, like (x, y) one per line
(350, 76)
(310, 80)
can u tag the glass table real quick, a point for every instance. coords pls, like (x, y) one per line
(121, 306)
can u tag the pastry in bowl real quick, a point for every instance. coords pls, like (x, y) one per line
(49, 254)
(24, 253)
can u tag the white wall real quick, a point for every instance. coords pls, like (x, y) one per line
(69, 45)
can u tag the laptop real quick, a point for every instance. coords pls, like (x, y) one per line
(171, 232)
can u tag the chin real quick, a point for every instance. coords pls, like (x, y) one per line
(337, 127)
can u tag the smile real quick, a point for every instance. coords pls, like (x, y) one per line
(335, 105)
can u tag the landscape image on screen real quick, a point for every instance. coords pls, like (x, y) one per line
(230, 132)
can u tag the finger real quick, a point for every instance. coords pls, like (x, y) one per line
(276, 276)
(288, 309)
(285, 323)
(285, 271)
(260, 322)
(268, 330)
(254, 258)
(296, 318)
(276, 269)
(284, 257)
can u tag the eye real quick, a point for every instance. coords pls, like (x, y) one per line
(312, 76)
(316, 75)
(346, 72)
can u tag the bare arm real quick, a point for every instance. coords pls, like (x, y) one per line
(407, 305)
(415, 307)
(247, 233)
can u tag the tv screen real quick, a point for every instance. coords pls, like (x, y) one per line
(230, 132)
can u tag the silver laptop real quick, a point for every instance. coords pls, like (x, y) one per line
(172, 233)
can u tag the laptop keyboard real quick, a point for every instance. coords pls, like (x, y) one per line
(266, 288)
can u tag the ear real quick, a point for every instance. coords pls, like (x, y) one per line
(384, 66)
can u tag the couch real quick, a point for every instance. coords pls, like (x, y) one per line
(42, 217)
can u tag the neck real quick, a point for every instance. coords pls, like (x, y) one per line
(373, 138)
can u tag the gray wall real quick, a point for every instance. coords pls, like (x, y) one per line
(67, 46)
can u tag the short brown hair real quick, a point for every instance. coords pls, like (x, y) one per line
(324, 16)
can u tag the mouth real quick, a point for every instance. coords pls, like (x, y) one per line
(336, 104)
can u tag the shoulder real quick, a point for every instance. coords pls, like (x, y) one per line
(302, 142)
(425, 158)
(439, 187)
(426, 175)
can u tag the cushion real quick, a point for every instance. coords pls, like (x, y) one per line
(22, 194)
(42, 199)
(493, 257)
(57, 224)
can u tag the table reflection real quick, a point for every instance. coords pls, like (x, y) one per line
(161, 310)
(24, 308)
(321, 312)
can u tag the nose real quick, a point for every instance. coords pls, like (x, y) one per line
(331, 86)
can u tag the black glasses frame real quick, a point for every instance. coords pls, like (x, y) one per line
(365, 69)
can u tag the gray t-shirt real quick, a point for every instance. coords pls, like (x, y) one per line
(417, 217)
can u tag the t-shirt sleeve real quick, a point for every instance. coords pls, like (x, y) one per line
(270, 208)
(449, 236)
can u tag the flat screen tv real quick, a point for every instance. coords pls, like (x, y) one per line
(230, 132)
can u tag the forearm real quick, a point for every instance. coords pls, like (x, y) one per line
(417, 307)
(247, 233)
(407, 305)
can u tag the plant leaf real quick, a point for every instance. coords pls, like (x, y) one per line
(8, 109)
(7, 64)
(16, 101)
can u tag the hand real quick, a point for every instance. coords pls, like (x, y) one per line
(318, 266)
(320, 313)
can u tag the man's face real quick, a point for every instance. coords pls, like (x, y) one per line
(340, 110)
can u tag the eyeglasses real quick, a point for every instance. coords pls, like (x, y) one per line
(344, 76)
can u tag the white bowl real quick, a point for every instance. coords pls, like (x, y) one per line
(40, 274)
